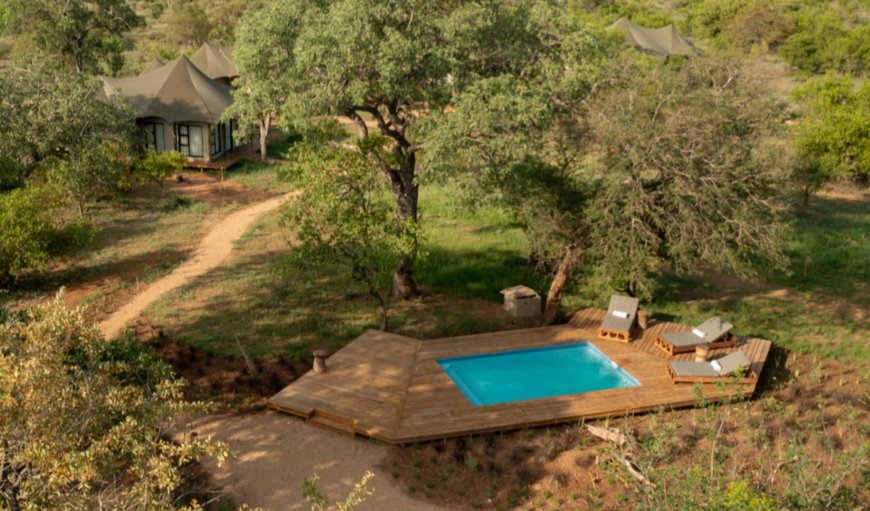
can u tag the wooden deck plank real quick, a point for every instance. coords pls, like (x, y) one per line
(392, 387)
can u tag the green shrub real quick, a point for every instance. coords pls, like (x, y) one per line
(157, 166)
(30, 232)
(834, 137)
(822, 43)
(758, 25)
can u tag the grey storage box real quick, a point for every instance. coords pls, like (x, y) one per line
(521, 302)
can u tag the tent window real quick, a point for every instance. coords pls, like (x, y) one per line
(213, 140)
(154, 134)
(190, 140)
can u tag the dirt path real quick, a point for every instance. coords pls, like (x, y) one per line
(212, 250)
(273, 454)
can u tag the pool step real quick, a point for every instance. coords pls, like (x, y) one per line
(333, 423)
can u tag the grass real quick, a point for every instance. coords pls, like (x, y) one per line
(820, 311)
(139, 237)
(274, 307)
(257, 175)
(267, 303)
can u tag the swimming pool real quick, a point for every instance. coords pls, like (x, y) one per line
(520, 375)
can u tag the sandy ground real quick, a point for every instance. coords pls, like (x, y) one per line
(273, 454)
(213, 249)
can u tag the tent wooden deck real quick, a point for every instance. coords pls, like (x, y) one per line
(391, 387)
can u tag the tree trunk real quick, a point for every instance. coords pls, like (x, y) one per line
(557, 287)
(406, 194)
(11, 501)
(264, 125)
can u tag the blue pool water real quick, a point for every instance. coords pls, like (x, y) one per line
(520, 375)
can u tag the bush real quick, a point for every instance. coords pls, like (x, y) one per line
(822, 43)
(87, 422)
(157, 166)
(834, 137)
(30, 233)
(758, 25)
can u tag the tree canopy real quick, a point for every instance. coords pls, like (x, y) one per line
(78, 34)
(624, 171)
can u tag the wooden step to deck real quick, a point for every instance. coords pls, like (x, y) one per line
(332, 423)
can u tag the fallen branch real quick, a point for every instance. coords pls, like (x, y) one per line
(635, 471)
(609, 434)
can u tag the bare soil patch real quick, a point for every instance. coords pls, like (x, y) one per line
(208, 187)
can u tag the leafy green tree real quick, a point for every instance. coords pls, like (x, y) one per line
(83, 35)
(343, 214)
(187, 23)
(89, 423)
(263, 54)
(823, 42)
(522, 135)
(648, 166)
(387, 66)
(834, 136)
(60, 132)
(384, 60)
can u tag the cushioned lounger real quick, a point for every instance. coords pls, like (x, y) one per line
(620, 319)
(713, 332)
(716, 370)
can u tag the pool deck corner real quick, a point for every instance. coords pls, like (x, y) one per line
(392, 388)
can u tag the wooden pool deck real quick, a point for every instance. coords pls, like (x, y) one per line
(391, 387)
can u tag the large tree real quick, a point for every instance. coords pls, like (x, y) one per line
(651, 165)
(88, 423)
(59, 131)
(386, 66)
(263, 53)
(522, 134)
(381, 61)
(85, 35)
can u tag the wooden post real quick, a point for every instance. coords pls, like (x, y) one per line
(319, 361)
(701, 352)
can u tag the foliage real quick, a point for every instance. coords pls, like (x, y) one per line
(758, 25)
(157, 166)
(834, 137)
(78, 34)
(264, 56)
(187, 23)
(314, 496)
(692, 178)
(823, 42)
(87, 422)
(59, 132)
(90, 172)
(343, 214)
(29, 231)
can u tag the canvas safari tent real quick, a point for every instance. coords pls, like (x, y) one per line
(180, 109)
(216, 62)
(156, 64)
(663, 42)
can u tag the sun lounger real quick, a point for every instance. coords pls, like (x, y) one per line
(717, 370)
(714, 332)
(620, 319)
